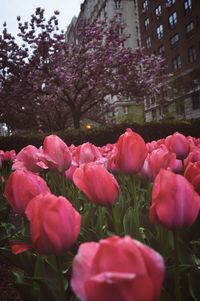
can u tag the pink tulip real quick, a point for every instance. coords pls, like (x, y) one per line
(56, 154)
(117, 269)
(178, 144)
(9, 156)
(156, 160)
(18, 247)
(27, 159)
(192, 174)
(193, 156)
(23, 186)
(1, 162)
(97, 183)
(87, 152)
(175, 204)
(54, 223)
(131, 153)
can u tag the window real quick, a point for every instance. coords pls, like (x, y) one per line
(170, 3)
(146, 24)
(196, 101)
(125, 110)
(164, 91)
(165, 109)
(189, 27)
(191, 54)
(180, 108)
(118, 4)
(173, 20)
(152, 99)
(145, 6)
(188, 6)
(148, 42)
(161, 50)
(174, 40)
(119, 17)
(160, 31)
(147, 102)
(153, 114)
(158, 11)
(176, 63)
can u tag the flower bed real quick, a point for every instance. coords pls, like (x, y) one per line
(117, 222)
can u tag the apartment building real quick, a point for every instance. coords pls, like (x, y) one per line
(105, 10)
(167, 28)
(170, 28)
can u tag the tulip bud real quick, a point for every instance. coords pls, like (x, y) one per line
(131, 153)
(192, 174)
(175, 204)
(23, 186)
(54, 223)
(178, 144)
(97, 183)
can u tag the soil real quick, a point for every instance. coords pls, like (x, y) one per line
(8, 291)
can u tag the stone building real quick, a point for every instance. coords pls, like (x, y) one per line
(170, 28)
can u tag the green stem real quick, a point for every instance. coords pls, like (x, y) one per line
(183, 166)
(149, 192)
(135, 205)
(63, 184)
(115, 223)
(100, 221)
(177, 271)
(60, 277)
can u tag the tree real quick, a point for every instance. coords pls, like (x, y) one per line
(44, 82)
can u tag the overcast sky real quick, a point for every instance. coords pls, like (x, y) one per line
(10, 9)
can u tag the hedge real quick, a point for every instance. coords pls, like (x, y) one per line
(105, 134)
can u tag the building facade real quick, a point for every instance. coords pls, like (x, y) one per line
(106, 10)
(170, 28)
(166, 28)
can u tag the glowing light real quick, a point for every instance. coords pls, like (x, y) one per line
(88, 126)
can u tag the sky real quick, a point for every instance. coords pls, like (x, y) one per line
(10, 9)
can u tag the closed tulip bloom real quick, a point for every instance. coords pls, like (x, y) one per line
(54, 223)
(193, 156)
(120, 269)
(156, 160)
(9, 156)
(131, 153)
(23, 186)
(56, 154)
(87, 152)
(175, 203)
(97, 183)
(178, 144)
(192, 174)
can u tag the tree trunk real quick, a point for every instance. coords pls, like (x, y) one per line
(76, 119)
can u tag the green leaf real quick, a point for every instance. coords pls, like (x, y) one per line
(193, 282)
(26, 287)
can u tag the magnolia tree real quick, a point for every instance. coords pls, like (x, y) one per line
(45, 82)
